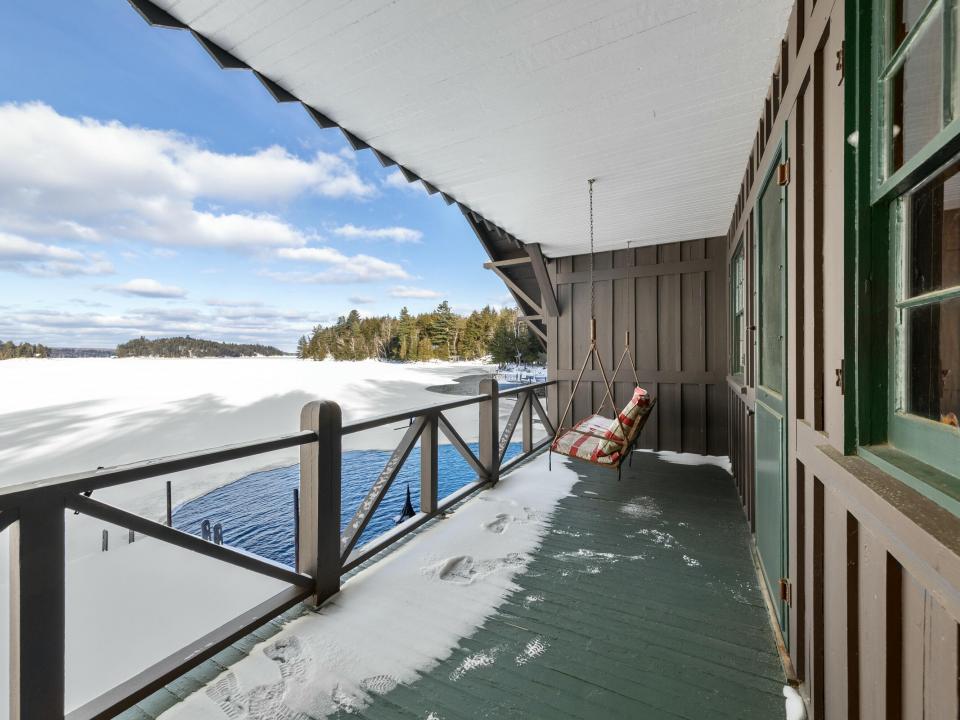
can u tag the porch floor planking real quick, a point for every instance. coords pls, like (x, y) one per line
(642, 602)
(681, 632)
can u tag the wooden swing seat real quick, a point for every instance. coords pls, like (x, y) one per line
(601, 440)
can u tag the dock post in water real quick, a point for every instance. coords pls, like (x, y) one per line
(131, 536)
(105, 541)
(218, 534)
(490, 429)
(205, 529)
(429, 465)
(319, 525)
(169, 504)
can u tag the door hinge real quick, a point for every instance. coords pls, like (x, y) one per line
(842, 376)
(840, 65)
(786, 591)
(783, 173)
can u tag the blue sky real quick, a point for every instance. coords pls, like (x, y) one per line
(144, 190)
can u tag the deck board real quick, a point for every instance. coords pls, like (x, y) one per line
(645, 598)
(643, 595)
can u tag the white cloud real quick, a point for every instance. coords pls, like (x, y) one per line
(92, 181)
(20, 255)
(148, 288)
(406, 291)
(341, 268)
(396, 180)
(360, 300)
(266, 324)
(395, 233)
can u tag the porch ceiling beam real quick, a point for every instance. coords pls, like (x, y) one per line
(518, 291)
(506, 263)
(547, 297)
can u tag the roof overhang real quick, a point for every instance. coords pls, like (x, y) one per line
(508, 108)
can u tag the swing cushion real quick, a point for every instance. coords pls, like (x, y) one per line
(599, 439)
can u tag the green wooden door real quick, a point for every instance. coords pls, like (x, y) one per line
(771, 411)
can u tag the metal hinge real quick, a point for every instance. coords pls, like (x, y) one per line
(841, 376)
(786, 591)
(783, 173)
(840, 66)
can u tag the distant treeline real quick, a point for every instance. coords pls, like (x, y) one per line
(10, 350)
(441, 334)
(186, 347)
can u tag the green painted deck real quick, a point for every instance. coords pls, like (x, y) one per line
(642, 602)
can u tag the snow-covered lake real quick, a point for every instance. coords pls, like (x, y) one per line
(131, 606)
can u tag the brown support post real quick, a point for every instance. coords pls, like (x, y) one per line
(490, 428)
(429, 465)
(526, 419)
(37, 611)
(319, 525)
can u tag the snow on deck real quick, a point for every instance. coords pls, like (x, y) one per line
(636, 598)
(399, 617)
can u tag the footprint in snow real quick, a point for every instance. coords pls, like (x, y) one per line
(499, 524)
(463, 569)
(264, 702)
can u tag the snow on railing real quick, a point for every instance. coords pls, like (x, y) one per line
(35, 513)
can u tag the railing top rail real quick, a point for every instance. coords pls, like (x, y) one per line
(526, 388)
(13, 495)
(375, 422)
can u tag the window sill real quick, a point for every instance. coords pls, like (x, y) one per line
(940, 487)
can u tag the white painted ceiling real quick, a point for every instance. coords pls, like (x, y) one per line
(511, 106)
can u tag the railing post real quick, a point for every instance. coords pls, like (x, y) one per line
(527, 420)
(319, 525)
(490, 429)
(37, 611)
(429, 465)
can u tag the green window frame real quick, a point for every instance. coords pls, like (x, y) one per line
(912, 49)
(738, 347)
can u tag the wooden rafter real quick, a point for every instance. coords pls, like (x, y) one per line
(548, 298)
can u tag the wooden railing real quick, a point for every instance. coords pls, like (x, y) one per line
(34, 512)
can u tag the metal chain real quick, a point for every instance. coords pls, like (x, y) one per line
(590, 183)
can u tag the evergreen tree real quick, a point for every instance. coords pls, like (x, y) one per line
(503, 345)
(424, 349)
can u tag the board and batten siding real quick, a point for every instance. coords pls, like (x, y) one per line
(874, 566)
(672, 298)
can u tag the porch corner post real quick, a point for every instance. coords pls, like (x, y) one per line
(38, 611)
(490, 429)
(319, 513)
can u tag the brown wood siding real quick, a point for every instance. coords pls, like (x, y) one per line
(672, 298)
(874, 566)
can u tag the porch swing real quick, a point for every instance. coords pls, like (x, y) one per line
(597, 439)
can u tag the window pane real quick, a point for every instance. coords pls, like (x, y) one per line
(933, 361)
(737, 293)
(933, 251)
(905, 14)
(771, 289)
(917, 94)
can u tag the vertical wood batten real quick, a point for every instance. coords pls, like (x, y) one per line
(319, 513)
